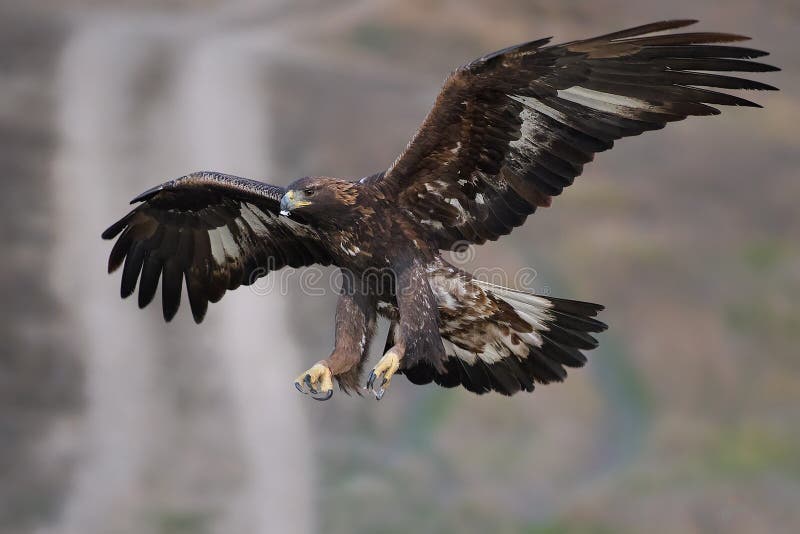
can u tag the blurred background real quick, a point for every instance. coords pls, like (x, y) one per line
(687, 419)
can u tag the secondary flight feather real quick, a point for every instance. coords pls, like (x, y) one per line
(507, 133)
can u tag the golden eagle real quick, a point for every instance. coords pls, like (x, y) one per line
(508, 132)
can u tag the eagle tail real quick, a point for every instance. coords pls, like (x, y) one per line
(522, 339)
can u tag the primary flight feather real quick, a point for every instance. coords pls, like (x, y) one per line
(507, 133)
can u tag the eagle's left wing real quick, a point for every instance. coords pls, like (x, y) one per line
(215, 231)
(514, 128)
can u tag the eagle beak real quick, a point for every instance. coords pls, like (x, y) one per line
(286, 204)
(291, 201)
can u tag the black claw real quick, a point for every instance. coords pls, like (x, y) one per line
(327, 396)
(307, 380)
(299, 388)
(371, 385)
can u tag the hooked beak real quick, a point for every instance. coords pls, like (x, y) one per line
(290, 201)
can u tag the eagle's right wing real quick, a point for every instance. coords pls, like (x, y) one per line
(214, 230)
(514, 128)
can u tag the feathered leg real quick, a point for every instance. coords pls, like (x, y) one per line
(355, 324)
(416, 336)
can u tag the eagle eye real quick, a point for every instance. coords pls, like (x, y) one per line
(309, 191)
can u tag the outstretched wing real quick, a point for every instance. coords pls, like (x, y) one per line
(514, 128)
(215, 231)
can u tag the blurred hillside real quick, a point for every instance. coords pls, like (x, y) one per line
(685, 420)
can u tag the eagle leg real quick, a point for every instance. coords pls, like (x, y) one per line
(318, 381)
(355, 324)
(384, 370)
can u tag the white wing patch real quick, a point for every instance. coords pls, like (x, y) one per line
(527, 129)
(250, 214)
(228, 242)
(217, 250)
(536, 105)
(616, 104)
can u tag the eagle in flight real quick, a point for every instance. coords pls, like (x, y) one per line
(507, 133)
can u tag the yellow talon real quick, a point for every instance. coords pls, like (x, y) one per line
(385, 369)
(317, 380)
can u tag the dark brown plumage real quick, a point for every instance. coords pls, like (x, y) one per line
(507, 133)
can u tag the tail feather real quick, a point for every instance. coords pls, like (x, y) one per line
(506, 340)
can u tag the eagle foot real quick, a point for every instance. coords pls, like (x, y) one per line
(317, 381)
(382, 373)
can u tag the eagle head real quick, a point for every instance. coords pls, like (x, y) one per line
(319, 198)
